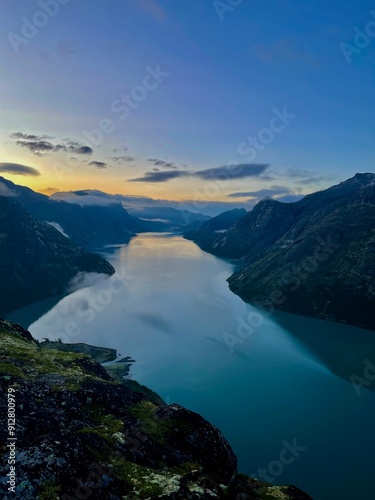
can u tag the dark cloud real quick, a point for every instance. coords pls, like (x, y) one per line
(160, 176)
(29, 137)
(17, 169)
(40, 146)
(240, 171)
(120, 159)
(162, 163)
(229, 172)
(98, 164)
(82, 150)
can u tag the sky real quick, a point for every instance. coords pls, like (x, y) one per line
(213, 103)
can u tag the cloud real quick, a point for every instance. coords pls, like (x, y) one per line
(40, 146)
(229, 172)
(283, 50)
(121, 149)
(160, 176)
(75, 147)
(162, 163)
(152, 8)
(67, 49)
(307, 177)
(98, 164)
(5, 191)
(262, 193)
(29, 137)
(48, 190)
(17, 169)
(120, 159)
(240, 171)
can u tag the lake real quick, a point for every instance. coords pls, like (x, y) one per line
(278, 386)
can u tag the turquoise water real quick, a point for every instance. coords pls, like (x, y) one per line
(284, 382)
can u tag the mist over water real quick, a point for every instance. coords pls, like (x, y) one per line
(169, 307)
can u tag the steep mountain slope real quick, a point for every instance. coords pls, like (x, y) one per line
(206, 233)
(89, 226)
(37, 261)
(315, 257)
(80, 434)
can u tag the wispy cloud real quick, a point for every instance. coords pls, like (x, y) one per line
(240, 171)
(121, 159)
(5, 191)
(160, 176)
(98, 164)
(29, 137)
(49, 190)
(17, 169)
(41, 145)
(307, 177)
(162, 163)
(120, 149)
(272, 191)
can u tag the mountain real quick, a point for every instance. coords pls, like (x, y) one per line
(81, 434)
(90, 226)
(204, 234)
(314, 257)
(149, 218)
(170, 218)
(37, 261)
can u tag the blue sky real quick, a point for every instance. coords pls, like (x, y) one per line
(222, 73)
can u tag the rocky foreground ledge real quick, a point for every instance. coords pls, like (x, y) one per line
(80, 434)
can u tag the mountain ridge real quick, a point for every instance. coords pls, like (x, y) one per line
(283, 262)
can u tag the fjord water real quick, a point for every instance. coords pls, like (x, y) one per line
(284, 384)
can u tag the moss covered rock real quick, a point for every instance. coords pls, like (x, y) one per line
(81, 434)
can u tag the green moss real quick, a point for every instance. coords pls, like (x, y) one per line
(144, 482)
(150, 424)
(186, 468)
(110, 429)
(50, 491)
(142, 389)
(9, 369)
(39, 361)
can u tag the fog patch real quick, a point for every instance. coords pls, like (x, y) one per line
(85, 280)
(58, 227)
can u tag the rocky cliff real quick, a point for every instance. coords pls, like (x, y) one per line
(81, 434)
